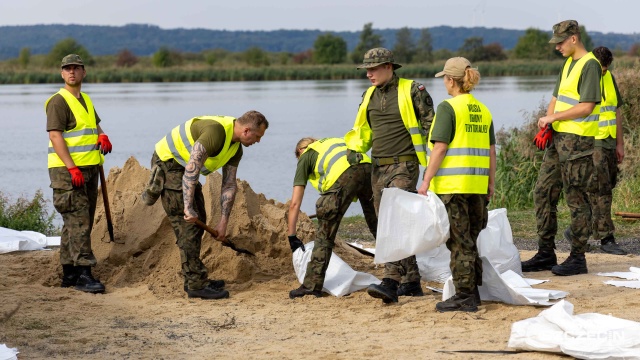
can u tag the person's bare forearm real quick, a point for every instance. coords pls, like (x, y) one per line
(191, 176)
(61, 149)
(228, 191)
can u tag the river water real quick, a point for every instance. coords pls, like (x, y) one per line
(136, 116)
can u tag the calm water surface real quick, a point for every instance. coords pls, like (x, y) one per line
(136, 116)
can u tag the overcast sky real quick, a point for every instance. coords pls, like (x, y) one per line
(329, 15)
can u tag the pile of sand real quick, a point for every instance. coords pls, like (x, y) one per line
(145, 252)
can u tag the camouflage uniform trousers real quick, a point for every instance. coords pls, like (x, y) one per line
(77, 207)
(468, 215)
(568, 166)
(606, 175)
(355, 182)
(188, 235)
(403, 175)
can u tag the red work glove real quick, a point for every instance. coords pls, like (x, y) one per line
(543, 138)
(76, 176)
(104, 145)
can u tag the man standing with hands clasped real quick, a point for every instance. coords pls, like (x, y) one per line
(76, 148)
(573, 115)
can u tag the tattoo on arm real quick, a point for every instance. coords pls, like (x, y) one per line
(229, 189)
(192, 173)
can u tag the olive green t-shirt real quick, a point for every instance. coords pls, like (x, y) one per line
(609, 142)
(306, 165)
(59, 114)
(444, 128)
(390, 136)
(589, 82)
(212, 136)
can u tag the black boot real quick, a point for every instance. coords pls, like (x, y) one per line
(542, 260)
(410, 289)
(458, 302)
(214, 284)
(302, 291)
(574, 265)
(208, 293)
(476, 297)
(387, 291)
(609, 246)
(87, 283)
(69, 276)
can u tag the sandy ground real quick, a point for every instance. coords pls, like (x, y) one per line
(146, 315)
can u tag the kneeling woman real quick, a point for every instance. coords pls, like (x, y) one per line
(461, 171)
(324, 164)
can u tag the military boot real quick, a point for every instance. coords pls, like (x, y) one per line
(609, 245)
(574, 265)
(458, 302)
(542, 260)
(412, 288)
(387, 291)
(86, 281)
(69, 276)
(476, 297)
(302, 291)
(216, 284)
(208, 293)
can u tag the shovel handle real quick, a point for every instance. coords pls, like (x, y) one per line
(207, 228)
(105, 200)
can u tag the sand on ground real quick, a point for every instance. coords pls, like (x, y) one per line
(145, 314)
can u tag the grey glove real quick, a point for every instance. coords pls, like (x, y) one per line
(354, 158)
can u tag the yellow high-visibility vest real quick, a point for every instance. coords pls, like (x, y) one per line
(608, 107)
(360, 137)
(331, 163)
(177, 144)
(465, 167)
(569, 97)
(81, 140)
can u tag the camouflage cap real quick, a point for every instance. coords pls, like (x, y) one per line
(72, 59)
(564, 29)
(378, 56)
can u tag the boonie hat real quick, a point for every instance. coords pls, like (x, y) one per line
(455, 67)
(378, 56)
(564, 29)
(72, 59)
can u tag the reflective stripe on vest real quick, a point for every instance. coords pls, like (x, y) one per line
(569, 97)
(360, 137)
(83, 138)
(608, 107)
(177, 144)
(465, 167)
(331, 163)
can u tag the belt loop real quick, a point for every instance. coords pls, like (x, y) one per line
(396, 160)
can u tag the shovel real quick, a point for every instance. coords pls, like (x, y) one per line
(227, 243)
(105, 200)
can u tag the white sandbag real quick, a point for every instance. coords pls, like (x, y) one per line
(585, 336)
(434, 264)
(509, 288)
(7, 353)
(409, 224)
(340, 278)
(12, 240)
(495, 242)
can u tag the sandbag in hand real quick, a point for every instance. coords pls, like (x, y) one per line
(295, 243)
(543, 138)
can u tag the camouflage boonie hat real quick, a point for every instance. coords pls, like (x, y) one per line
(71, 59)
(564, 29)
(378, 56)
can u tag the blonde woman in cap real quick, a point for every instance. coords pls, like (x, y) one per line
(461, 171)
